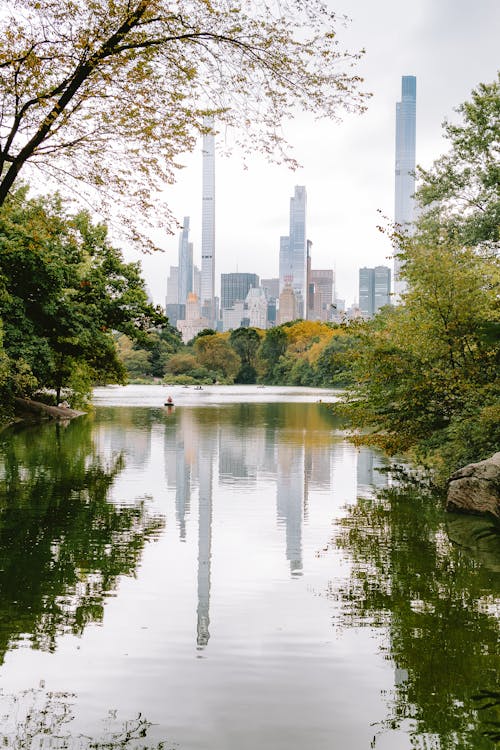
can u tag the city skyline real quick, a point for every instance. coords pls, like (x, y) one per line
(347, 167)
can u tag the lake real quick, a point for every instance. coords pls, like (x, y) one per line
(231, 573)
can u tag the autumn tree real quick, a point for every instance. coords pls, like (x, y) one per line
(215, 353)
(112, 92)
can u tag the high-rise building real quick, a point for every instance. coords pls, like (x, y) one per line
(293, 251)
(185, 273)
(322, 282)
(208, 229)
(172, 286)
(404, 201)
(172, 299)
(287, 305)
(374, 289)
(234, 287)
(271, 287)
(256, 308)
(381, 287)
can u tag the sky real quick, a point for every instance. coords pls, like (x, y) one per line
(347, 168)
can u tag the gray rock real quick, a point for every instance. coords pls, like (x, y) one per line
(476, 488)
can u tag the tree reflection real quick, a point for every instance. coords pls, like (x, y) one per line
(440, 605)
(63, 544)
(35, 719)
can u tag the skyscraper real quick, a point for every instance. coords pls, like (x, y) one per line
(374, 289)
(404, 202)
(185, 274)
(234, 287)
(208, 229)
(293, 251)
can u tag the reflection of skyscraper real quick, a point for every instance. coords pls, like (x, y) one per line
(368, 471)
(293, 251)
(205, 462)
(404, 203)
(290, 500)
(208, 229)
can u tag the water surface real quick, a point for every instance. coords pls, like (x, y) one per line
(220, 575)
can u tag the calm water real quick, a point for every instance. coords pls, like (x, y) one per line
(223, 576)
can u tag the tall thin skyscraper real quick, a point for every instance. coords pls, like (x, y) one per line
(404, 202)
(293, 251)
(208, 229)
(185, 276)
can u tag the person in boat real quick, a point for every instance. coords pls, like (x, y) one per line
(169, 401)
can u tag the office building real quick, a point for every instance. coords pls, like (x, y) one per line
(321, 282)
(374, 289)
(288, 309)
(233, 316)
(294, 251)
(235, 287)
(194, 322)
(207, 284)
(404, 201)
(256, 308)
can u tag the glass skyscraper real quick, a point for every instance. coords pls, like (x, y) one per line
(185, 272)
(374, 289)
(293, 251)
(404, 202)
(208, 229)
(234, 287)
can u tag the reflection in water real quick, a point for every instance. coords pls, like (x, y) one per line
(207, 452)
(249, 491)
(63, 545)
(245, 442)
(291, 494)
(39, 719)
(440, 609)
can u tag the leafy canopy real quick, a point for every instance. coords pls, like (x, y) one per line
(112, 92)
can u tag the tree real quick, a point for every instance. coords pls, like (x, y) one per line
(462, 188)
(426, 373)
(245, 342)
(64, 291)
(111, 93)
(215, 353)
(273, 346)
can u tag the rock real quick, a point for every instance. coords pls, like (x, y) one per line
(476, 488)
(25, 407)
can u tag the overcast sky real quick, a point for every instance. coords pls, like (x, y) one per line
(347, 168)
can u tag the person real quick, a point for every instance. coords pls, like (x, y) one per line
(170, 401)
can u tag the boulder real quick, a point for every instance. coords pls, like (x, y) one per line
(476, 488)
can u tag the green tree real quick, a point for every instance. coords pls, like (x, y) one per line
(273, 346)
(462, 188)
(113, 92)
(65, 290)
(245, 342)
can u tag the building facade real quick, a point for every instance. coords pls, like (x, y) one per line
(194, 322)
(256, 308)
(234, 287)
(322, 283)
(294, 251)
(404, 185)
